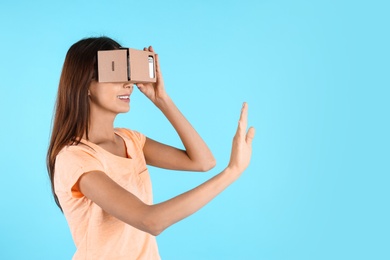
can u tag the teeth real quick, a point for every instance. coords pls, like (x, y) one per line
(124, 97)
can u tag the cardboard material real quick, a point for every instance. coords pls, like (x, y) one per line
(126, 65)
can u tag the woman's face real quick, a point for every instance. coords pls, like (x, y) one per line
(110, 97)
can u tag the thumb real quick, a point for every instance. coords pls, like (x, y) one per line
(250, 135)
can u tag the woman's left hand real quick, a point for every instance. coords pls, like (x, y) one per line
(154, 91)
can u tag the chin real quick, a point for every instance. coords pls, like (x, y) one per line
(125, 110)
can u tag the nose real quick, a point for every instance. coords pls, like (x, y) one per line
(129, 86)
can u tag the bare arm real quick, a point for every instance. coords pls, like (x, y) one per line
(156, 218)
(196, 156)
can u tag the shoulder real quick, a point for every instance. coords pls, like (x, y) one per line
(135, 136)
(77, 155)
(77, 149)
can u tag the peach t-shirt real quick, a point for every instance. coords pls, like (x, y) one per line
(96, 234)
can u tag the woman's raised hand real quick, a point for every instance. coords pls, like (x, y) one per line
(154, 91)
(242, 143)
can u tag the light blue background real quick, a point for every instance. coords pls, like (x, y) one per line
(315, 75)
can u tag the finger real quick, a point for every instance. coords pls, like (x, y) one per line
(250, 135)
(242, 121)
(244, 116)
(158, 70)
(157, 64)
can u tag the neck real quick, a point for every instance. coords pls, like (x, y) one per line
(101, 127)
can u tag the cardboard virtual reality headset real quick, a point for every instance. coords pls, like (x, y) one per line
(126, 65)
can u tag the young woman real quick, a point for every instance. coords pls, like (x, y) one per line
(98, 173)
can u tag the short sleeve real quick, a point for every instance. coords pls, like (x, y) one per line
(136, 137)
(72, 162)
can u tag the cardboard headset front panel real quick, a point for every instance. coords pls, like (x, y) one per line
(126, 65)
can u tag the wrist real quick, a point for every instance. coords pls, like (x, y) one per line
(232, 172)
(163, 102)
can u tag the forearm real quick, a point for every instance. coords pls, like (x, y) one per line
(167, 213)
(197, 150)
(151, 218)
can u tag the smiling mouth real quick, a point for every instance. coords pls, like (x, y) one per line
(124, 97)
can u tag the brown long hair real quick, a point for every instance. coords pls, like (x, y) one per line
(71, 116)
